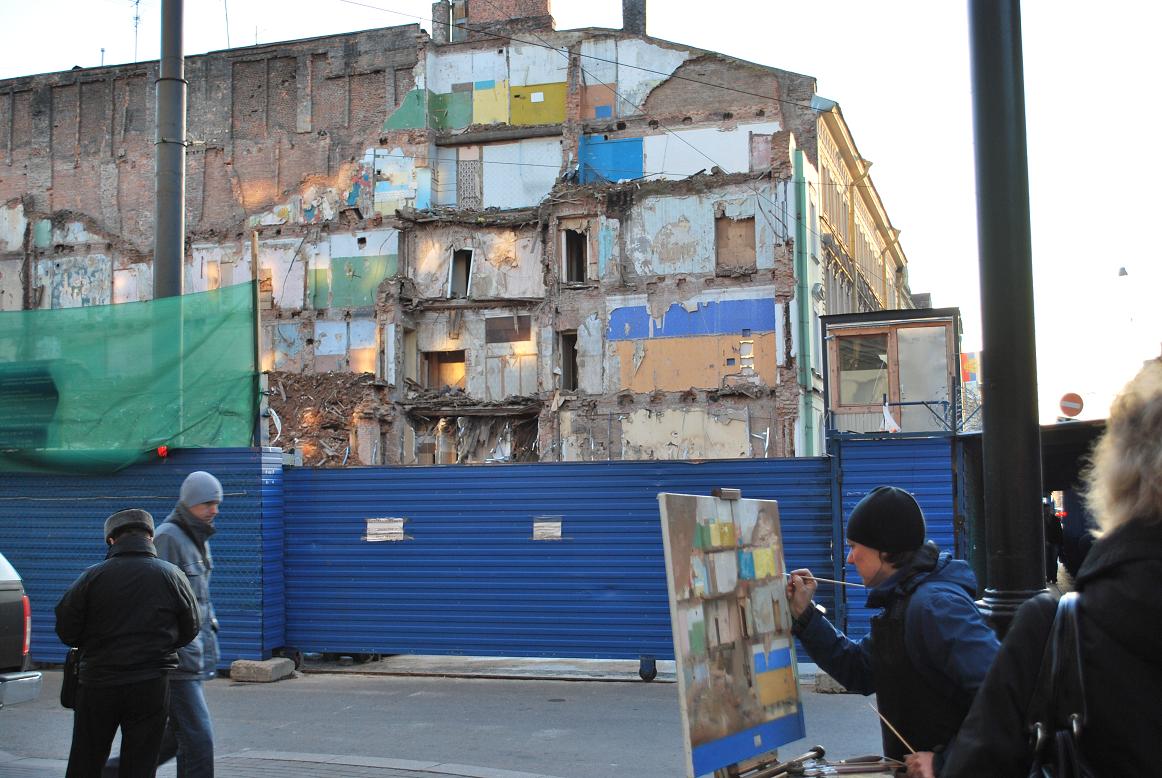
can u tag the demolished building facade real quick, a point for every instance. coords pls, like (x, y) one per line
(500, 242)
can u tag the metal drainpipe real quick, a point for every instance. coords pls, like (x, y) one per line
(169, 237)
(1012, 439)
(169, 227)
(803, 308)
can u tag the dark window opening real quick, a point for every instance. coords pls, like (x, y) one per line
(461, 273)
(362, 242)
(458, 31)
(508, 329)
(576, 256)
(443, 368)
(569, 369)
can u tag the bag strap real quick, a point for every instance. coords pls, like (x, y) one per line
(1068, 682)
(1058, 699)
(1039, 715)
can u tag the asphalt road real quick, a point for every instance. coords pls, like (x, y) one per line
(571, 729)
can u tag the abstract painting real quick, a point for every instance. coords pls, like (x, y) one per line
(735, 656)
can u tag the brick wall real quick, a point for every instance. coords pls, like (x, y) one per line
(261, 121)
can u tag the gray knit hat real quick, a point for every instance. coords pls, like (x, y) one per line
(132, 517)
(200, 487)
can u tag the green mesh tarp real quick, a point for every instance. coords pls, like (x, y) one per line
(93, 389)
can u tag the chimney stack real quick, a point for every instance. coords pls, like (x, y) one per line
(441, 18)
(633, 16)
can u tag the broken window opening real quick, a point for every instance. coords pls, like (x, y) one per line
(411, 355)
(444, 369)
(734, 243)
(460, 274)
(508, 329)
(576, 257)
(746, 352)
(569, 367)
(458, 31)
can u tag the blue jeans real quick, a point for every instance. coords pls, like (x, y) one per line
(188, 733)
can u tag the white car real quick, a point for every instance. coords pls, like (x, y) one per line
(18, 682)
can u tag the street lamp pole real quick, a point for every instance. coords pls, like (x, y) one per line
(1014, 532)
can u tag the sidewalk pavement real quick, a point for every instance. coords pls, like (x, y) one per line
(266, 764)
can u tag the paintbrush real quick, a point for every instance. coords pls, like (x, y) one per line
(895, 731)
(832, 580)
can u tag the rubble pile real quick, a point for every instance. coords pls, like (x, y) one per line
(318, 410)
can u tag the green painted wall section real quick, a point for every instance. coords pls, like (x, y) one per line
(412, 113)
(527, 105)
(452, 111)
(803, 308)
(42, 234)
(350, 282)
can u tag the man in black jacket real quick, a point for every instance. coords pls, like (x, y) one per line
(128, 615)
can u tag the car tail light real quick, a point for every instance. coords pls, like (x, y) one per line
(27, 624)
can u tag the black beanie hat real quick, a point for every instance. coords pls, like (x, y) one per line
(887, 519)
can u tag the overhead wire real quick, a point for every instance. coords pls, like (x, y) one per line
(638, 108)
(799, 218)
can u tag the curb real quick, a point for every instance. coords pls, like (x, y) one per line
(432, 768)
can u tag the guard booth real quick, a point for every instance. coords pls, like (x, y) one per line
(892, 371)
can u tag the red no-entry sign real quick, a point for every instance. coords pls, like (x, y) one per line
(1071, 404)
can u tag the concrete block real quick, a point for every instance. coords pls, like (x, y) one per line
(265, 671)
(825, 684)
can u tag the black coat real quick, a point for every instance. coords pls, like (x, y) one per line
(128, 614)
(1122, 668)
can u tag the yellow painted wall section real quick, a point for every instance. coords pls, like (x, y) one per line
(676, 364)
(490, 106)
(538, 104)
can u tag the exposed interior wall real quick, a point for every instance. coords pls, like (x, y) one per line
(505, 246)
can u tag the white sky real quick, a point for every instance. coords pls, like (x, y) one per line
(900, 70)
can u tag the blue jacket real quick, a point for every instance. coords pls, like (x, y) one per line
(948, 640)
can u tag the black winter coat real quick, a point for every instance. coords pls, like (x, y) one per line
(1120, 613)
(128, 615)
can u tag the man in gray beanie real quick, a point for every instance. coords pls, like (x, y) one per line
(127, 615)
(929, 648)
(184, 539)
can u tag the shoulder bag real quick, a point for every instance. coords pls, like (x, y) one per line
(71, 678)
(1057, 710)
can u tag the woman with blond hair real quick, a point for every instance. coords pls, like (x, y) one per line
(1119, 616)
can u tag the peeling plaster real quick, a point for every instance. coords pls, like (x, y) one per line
(13, 225)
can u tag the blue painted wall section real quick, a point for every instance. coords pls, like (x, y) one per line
(50, 530)
(727, 317)
(610, 160)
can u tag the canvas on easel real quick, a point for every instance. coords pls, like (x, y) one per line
(737, 682)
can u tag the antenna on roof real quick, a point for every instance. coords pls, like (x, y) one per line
(136, 24)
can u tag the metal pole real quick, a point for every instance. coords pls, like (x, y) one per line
(261, 433)
(170, 215)
(1012, 439)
